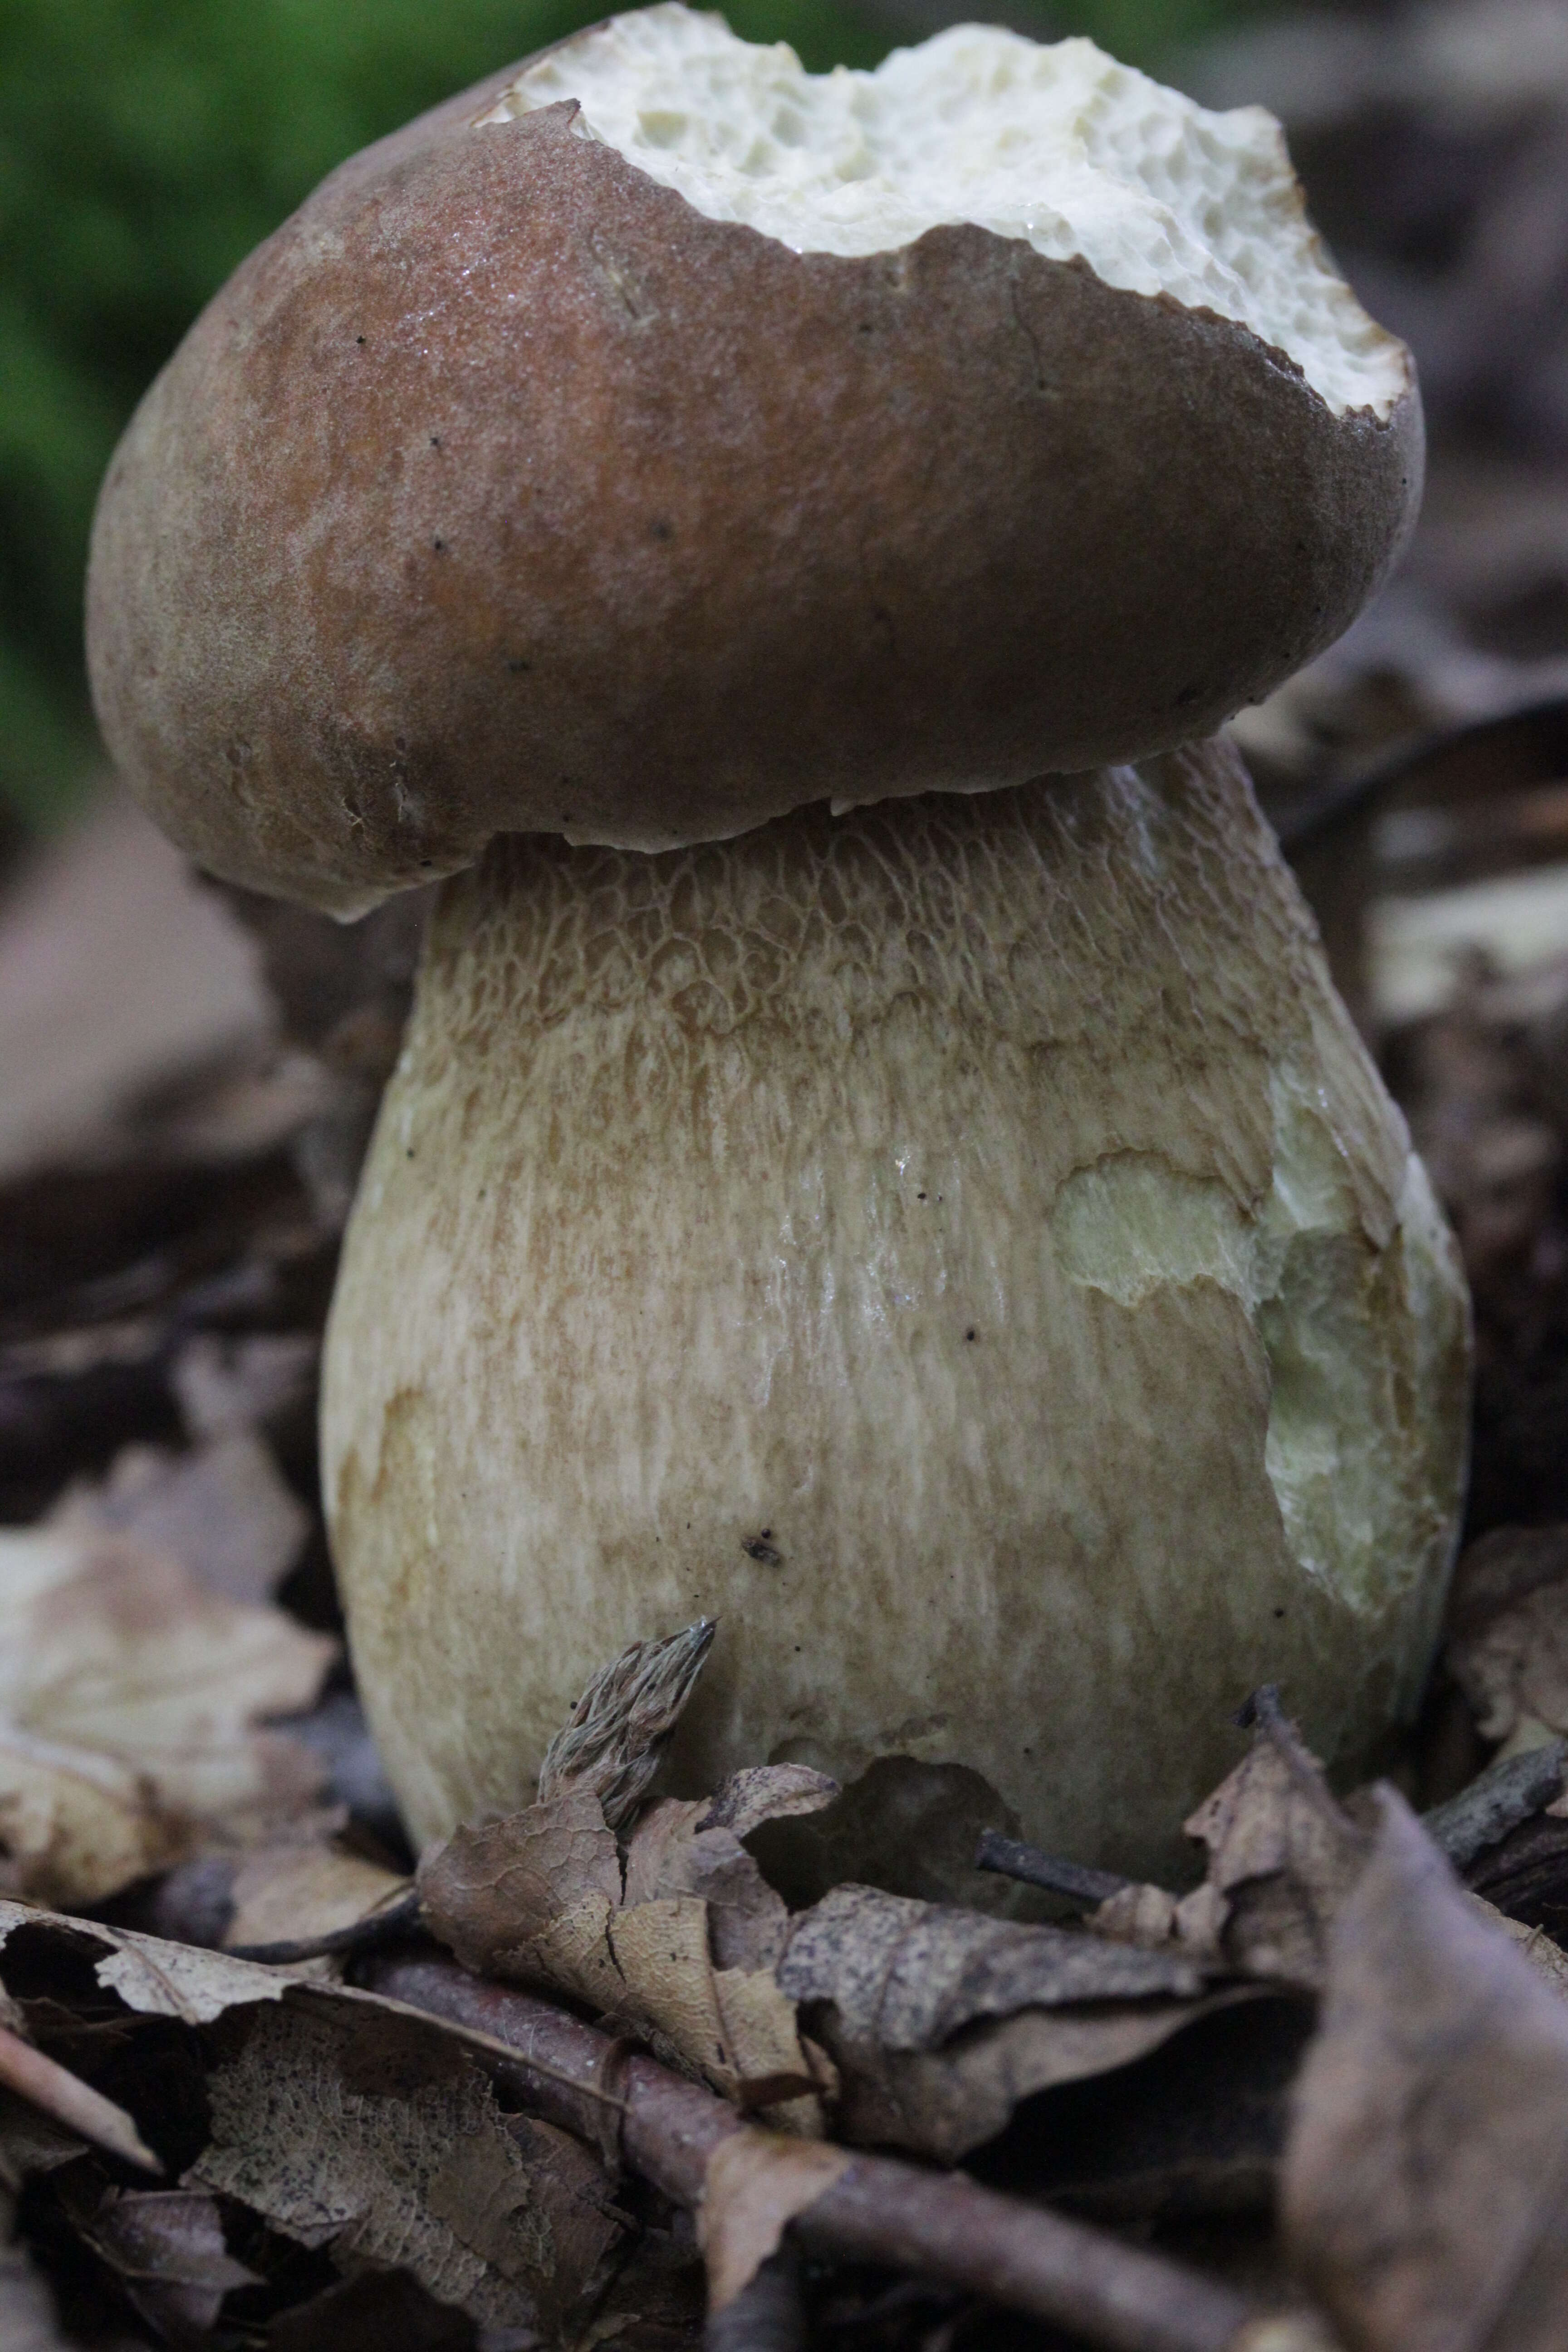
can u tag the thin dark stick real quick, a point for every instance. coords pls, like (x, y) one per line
(940, 2225)
(1496, 1802)
(1011, 1858)
(394, 1924)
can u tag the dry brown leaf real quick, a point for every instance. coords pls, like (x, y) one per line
(1426, 2186)
(129, 1701)
(1549, 1960)
(348, 2121)
(1283, 1854)
(167, 2248)
(152, 1977)
(1509, 1650)
(768, 1792)
(31, 2141)
(732, 2026)
(941, 2020)
(755, 2184)
(675, 1853)
(223, 1511)
(488, 1892)
(375, 2139)
(682, 1952)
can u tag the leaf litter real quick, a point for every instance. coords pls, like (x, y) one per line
(1326, 2073)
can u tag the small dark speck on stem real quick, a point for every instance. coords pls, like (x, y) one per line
(359, 339)
(971, 1333)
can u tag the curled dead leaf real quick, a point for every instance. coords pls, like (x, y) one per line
(488, 1892)
(223, 1510)
(1508, 1649)
(374, 2138)
(1283, 1853)
(941, 2020)
(679, 1950)
(129, 1700)
(1426, 2187)
(755, 2185)
(167, 2248)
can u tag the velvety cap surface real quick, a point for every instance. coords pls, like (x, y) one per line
(511, 489)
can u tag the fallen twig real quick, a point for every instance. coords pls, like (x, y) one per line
(940, 2225)
(1011, 1858)
(392, 1926)
(59, 2092)
(1496, 1800)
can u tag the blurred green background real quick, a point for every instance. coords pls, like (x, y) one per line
(146, 146)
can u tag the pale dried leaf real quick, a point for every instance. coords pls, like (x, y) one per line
(1151, 1917)
(386, 2148)
(1426, 2186)
(167, 2247)
(768, 1792)
(1515, 1664)
(1549, 1960)
(130, 1699)
(755, 2185)
(1283, 1854)
(676, 1850)
(573, 1956)
(76, 1826)
(151, 1976)
(616, 1733)
(656, 1848)
(940, 2020)
(489, 1891)
(116, 968)
(223, 1511)
(734, 2027)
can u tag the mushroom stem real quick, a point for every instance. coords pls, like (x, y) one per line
(962, 1247)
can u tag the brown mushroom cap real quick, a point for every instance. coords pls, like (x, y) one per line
(503, 490)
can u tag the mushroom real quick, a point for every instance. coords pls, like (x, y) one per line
(876, 1159)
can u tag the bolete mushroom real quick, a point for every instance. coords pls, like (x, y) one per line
(867, 1164)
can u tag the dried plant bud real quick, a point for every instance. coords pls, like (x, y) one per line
(615, 1736)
